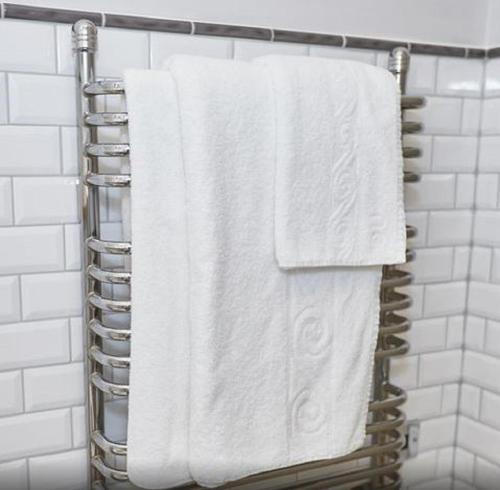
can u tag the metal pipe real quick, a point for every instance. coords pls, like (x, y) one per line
(84, 46)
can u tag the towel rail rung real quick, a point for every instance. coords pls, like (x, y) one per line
(109, 247)
(107, 149)
(104, 87)
(119, 362)
(107, 304)
(116, 448)
(108, 180)
(106, 119)
(109, 387)
(113, 276)
(118, 334)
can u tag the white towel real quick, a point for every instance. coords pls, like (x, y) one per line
(254, 366)
(339, 166)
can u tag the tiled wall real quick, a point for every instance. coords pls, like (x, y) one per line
(42, 418)
(478, 436)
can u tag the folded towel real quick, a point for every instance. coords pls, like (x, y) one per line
(339, 166)
(158, 407)
(238, 366)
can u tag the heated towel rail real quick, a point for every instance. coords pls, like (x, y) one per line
(376, 465)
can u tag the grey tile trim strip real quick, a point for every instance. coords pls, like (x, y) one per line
(225, 30)
(26, 12)
(307, 38)
(148, 24)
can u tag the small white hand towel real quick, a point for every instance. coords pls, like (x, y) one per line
(238, 366)
(339, 166)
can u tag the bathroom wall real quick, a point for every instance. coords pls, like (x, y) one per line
(447, 21)
(478, 436)
(41, 380)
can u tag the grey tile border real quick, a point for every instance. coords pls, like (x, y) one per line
(307, 38)
(372, 43)
(493, 53)
(437, 50)
(26, 12)
(148, 24)
(226, 30)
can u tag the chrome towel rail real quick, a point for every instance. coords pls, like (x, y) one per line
(106, 360)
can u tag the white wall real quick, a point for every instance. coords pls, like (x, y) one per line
(444, 21)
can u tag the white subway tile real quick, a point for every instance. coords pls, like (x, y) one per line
(164, 45)
(487, 191)
(33, 344)
(446, 458)
(465, 191)
(3, 98)
(29, 150)
(435, 433)
(65, 471)
(418, 219)
(11, 401)
(471, 116)
(69, 142)
(404, 371)
(45, 200)
(29, 46)
(495, 269)
(480, 263)
(460, 485)
(490, 121)
(485, 228)
(449, 227)
(14, 475)
(481, 370)
(492, 81)
(427, 335)
(10, 306)
(361, 55)
(432, 265)
(31, 99)
(490, 408)
(51, 295)
(489, 148)
(461, 263)
(475, 333)
(52, 429)
(423, 403)
(440, 367)
(479, 439)
(420, 468)
(450, 399)
(433, 191)
(464, 465)
(5, 201)
(487, 475)
(483, 300)
(454, 154)
(422, 74)
(76, 339)
(73, 246)
(469, 400)
(78, 415)
(492, 338)
(247, 50)
(455, 332)
(31, 249)
(458, 76)
(440, 115)
(445, 299)
(53, 386)
(424, 162)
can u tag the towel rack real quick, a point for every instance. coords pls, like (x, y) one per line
(375, 465)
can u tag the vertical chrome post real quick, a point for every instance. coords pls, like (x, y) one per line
(399, 64)
(84, 46)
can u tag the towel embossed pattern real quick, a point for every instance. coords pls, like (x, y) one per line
(108, 456)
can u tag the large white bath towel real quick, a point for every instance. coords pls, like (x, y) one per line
(339, 165)
(238, 366)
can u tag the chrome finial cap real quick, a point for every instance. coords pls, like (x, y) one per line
(84, 36)
(399, 60)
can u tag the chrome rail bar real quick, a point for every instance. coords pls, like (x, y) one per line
(386, 418)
